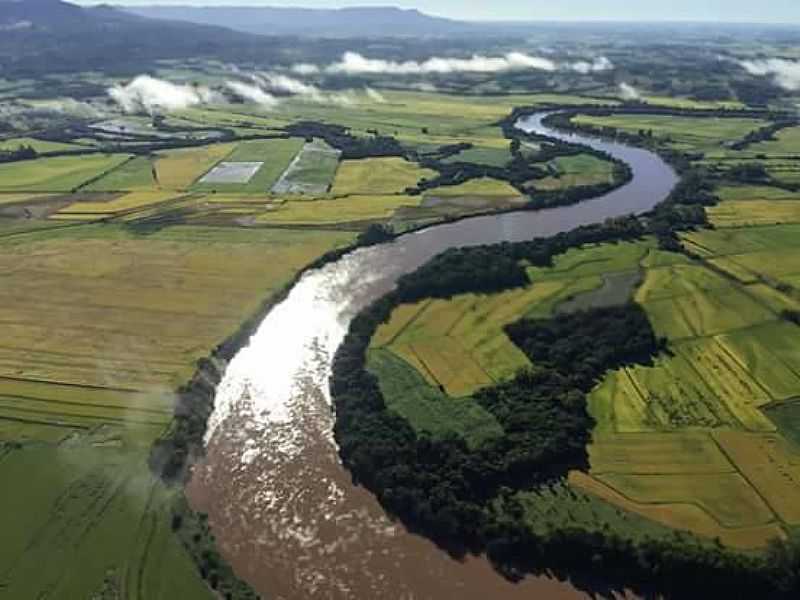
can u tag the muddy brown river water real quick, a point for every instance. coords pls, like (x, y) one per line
(283, 509)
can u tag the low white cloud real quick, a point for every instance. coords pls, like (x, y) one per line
(289, 85)
(375, 95)
(628, 92)
(786, 73)
(151, 95)
(305, 69)
(353, 63)
(597, 65)
(252, 93)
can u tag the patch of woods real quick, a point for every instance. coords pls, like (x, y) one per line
(351, 147)
(23, 152)
(464, 499)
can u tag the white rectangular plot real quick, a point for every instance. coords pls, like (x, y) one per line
(232, 172)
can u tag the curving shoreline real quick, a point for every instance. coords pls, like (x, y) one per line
(267, 401)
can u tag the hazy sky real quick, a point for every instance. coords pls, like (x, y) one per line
(775, 11)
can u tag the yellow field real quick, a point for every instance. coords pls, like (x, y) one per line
(338, 210)
(653, 453)
(179, 169)
(459, 344)
(124, 203)
(771, 465)
(754, 212)
(681, 516)
(130, 315)
(377, 176)
(727, 497)
(485, 186)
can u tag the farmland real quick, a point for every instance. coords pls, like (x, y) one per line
(571, 171)
(680, 132)
(57, 174)
(142, 269)
(730, 360)
(275, 156)
(122, 269)
(87, 382)
(377, 176)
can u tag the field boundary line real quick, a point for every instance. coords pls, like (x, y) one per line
(412, 320)
(125, 408)
(744, 368)
(666, 504)
(747, 479)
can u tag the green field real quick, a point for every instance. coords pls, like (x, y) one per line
(89, 522)
(40, 146)
(572, 171)
(135, 174)
(275, 154)
(682, 132)
(312, 171)
(496, 157)
(427, 408)
(57, 174)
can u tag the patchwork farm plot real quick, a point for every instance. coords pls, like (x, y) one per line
(677, 443)
(311, 172)
(232, 172)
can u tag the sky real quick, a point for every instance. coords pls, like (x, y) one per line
(755, 11)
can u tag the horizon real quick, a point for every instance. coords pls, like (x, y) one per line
(772, 12)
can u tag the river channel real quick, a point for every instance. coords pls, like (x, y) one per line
(283, 509)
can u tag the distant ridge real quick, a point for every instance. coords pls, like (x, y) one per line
(343, 22)
(51, 35)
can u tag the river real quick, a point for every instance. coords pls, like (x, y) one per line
(283, 509)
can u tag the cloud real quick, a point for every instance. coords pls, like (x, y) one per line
(599, 64)
(786, 73)
(252, 93)
(375, 95)
(149, 94)
(353, 63)
(305, 69)
(289, 85)
(628, 92)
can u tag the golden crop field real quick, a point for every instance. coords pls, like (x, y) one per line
(349, 209)
(460, 344)
(124, 203)
(377, 176)
(739, 213)
(179, 169)
(681, 516)
(485, 186)
(133, 314)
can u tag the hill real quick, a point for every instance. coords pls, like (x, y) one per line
(50, 35)
(345, 22)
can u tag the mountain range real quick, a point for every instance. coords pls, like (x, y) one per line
(345, 22)
(51, 35)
